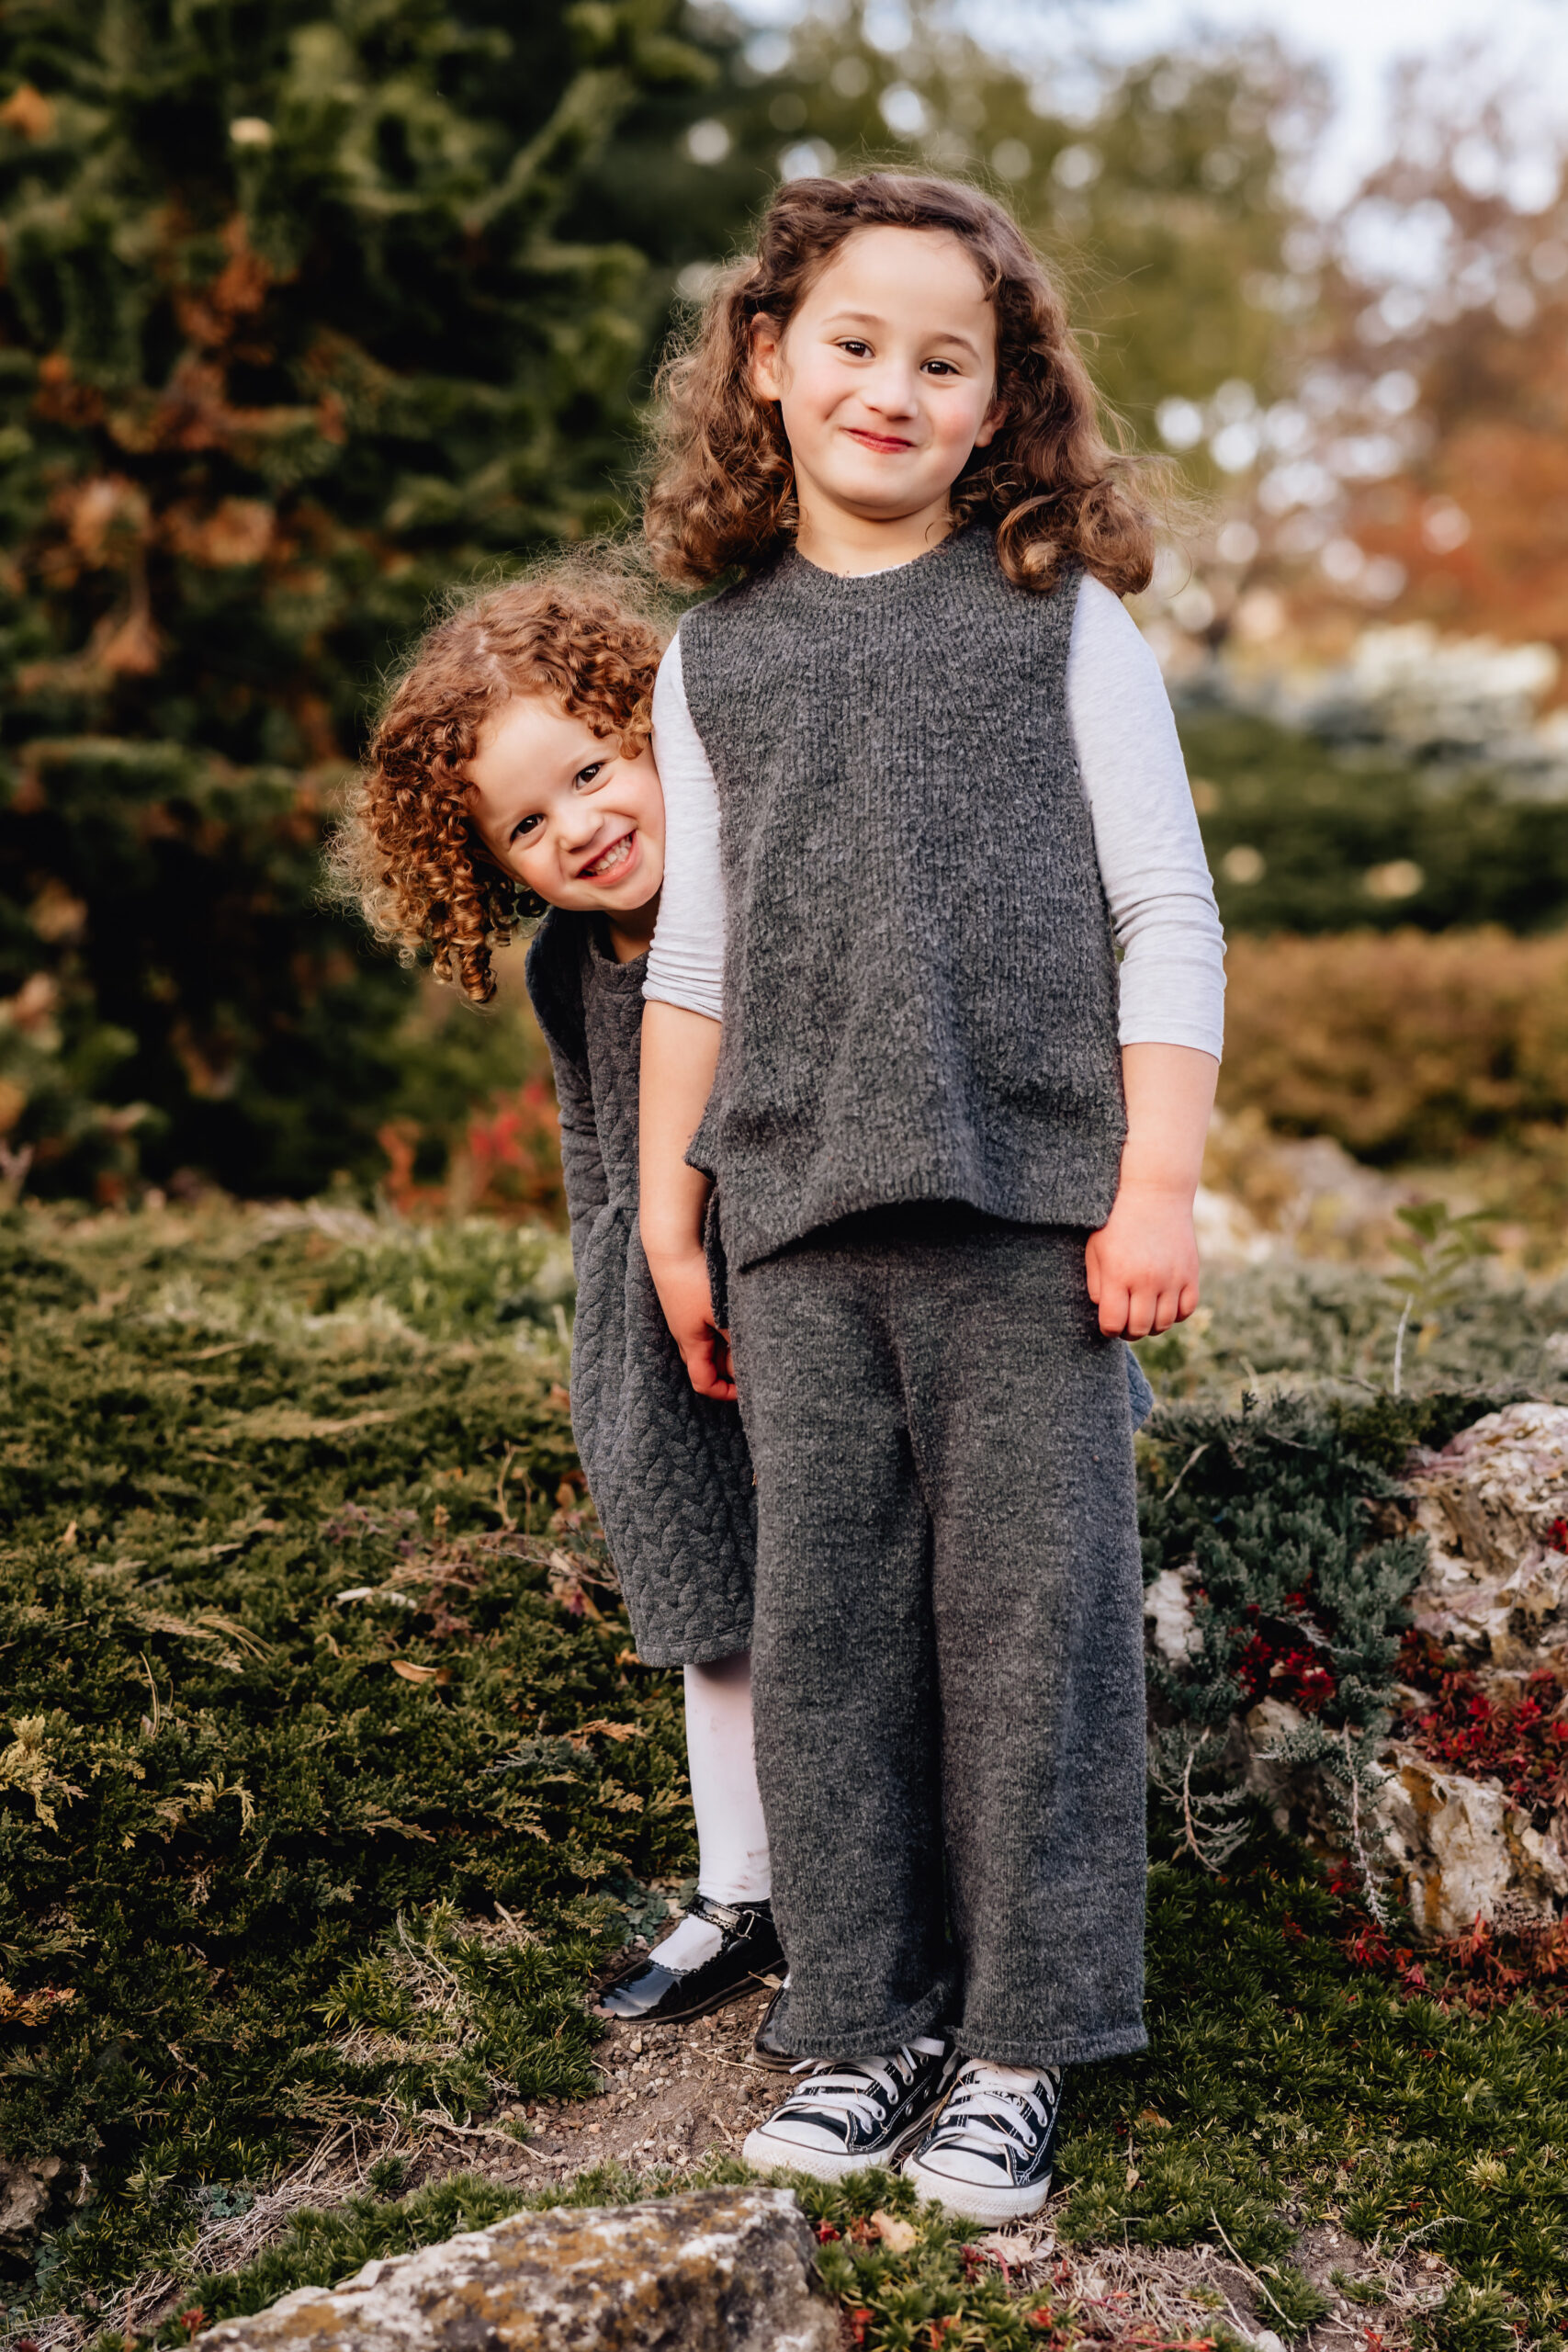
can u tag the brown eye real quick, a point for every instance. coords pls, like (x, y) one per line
(586, 778)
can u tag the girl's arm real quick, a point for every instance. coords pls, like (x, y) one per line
(680, 1055)
(685, 963)
(1145, 831)
(683, 997)
(1143, 1263)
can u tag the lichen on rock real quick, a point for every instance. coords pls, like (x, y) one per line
(1463, 1807)
(714, 2270)
(1494, 1506)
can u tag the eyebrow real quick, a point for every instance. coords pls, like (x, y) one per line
(870, 319)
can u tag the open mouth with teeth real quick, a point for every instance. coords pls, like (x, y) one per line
(610, 862)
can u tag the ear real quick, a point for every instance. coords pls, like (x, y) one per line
(767, 352)
(996, 416)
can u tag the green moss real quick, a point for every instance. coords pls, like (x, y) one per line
(233, 1840)
(237, 1813)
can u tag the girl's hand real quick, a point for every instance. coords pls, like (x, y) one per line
(1143, 1263)
(687, 1299)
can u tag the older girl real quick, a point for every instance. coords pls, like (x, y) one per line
(922, 780)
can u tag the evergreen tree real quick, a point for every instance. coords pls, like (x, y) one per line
(289, 338)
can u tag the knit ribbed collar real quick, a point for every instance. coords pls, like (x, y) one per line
(837, 589)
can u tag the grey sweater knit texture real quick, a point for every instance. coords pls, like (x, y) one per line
(668, 1470)
(919, 976)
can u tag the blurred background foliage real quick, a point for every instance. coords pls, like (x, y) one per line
(311, 308)
(295, 332)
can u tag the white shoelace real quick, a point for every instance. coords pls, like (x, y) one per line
(982, 2112)
(834, 2091)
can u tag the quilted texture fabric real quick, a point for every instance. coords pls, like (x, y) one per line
(668, 1470)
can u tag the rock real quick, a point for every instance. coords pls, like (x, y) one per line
(1461, 1850)
(1494, 1505)
(25, 2187)
(1290, 1792)
(715, 2270)
(1168, 1607)
(1228, 1233)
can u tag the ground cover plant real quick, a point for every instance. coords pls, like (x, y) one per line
(315, 1700)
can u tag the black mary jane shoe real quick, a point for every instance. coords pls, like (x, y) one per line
(767, 2050)
(646, 1992)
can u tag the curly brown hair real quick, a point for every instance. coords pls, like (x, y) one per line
(406, 852)
(722, 491)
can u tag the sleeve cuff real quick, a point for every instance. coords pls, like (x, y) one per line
(1154, 1032)
(657, 989)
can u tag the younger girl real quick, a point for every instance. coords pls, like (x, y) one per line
(510, 774)
(920, 768)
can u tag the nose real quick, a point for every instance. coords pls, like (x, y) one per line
(891, 389)
(577, 824)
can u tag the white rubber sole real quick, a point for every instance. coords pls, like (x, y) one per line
(971, 2201)
(764, 2154)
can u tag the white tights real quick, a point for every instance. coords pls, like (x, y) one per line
(732, 1838)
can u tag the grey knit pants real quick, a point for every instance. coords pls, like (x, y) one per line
(947, 1656)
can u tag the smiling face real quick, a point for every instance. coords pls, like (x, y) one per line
(886, 379)
(572, 815)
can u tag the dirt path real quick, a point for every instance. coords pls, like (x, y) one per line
(674, 2094)
(671, 2093)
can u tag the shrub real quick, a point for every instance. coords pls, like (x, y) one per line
(1305, 836)
(1402, 1046)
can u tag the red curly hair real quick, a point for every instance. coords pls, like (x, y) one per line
(406, 852)
(722, 491)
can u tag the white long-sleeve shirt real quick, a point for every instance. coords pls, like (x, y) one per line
(1145, 836)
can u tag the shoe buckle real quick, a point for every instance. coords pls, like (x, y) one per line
(720, 1914)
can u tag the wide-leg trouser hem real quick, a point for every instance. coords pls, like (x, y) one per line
(1076, 2050)
(860, 2042)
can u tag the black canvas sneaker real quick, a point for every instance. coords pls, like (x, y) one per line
(649, 1991)
(850, 2112)
(987, 2156)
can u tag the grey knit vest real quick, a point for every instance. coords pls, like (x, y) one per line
(919, 983)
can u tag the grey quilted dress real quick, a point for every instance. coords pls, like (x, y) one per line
(668, 1470)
